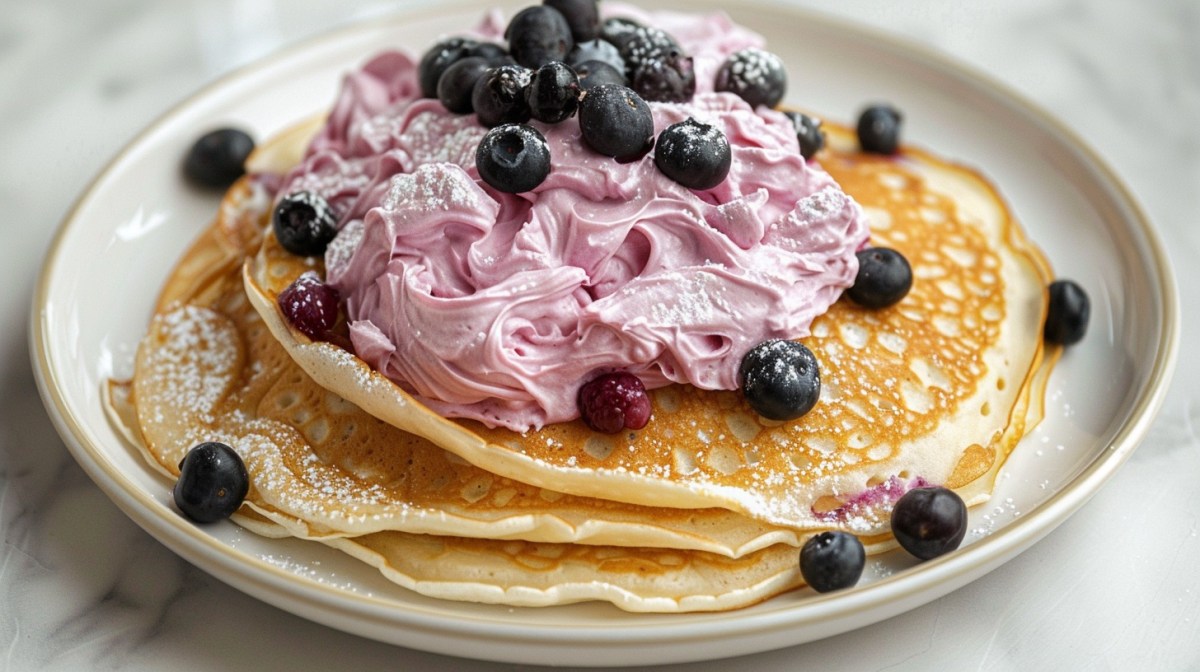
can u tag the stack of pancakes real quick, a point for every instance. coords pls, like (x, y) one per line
(703, 509)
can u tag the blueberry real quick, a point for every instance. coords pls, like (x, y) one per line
(755, 75)
(538, 35)
(780, 379)
(808, 132)
(596, 50)
(553, 93)
(618, 30)
(218, 157)
(693, 154)
(495, 54)
(646, 44)
(884, 277)
(499, 96)
(304, 223)
(616, 122)
(929, 522)
(439, 57)
(614, 402)
(669, 79)
(513, 158)
(597, 73)
(583, 16)
(212, 484)
(1068, 313)
(832, 561)
(456, 88)
(310, 305)
(879, 129)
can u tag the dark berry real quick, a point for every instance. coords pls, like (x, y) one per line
(439, 57)
(513, 158)
(614, 402)
(1067, 315)
(832, 561)
(304, 223)
(755, 75)
(553, 92)
(618, 30)
(597, 73)
(929, 522)
(616, 122)
(669, 79)
(212, 484)
(879, 129)
(456, 88)
(596, 50)
(499, 96)
(647, 44)
(693, 154)
(538, 35)
(218, 158)
(780, 379)
(310, 305)
(494, 53)
(583, 16)
(884, 277)
(808, 133)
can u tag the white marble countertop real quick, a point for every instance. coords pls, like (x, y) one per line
(82, 587)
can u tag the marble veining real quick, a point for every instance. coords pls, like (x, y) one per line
(82, 587)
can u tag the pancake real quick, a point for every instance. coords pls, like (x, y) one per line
(209, 370)
(934, 390)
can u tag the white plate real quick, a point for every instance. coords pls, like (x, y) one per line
(126, 231)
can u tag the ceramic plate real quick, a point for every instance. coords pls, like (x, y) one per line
(126, 231)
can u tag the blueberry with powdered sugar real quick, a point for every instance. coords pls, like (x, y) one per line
(669, 79)
(616, 122)
(780, 379)
(538, 35)
(499, 96)
(757, 76)
(583, 16)
(694, 154)
(646, 44)
(437, 59)
(513, 158)
(808, 133)
(597, 73)
(596, 50)
(304, 223)
(552, 94)
(617, 30)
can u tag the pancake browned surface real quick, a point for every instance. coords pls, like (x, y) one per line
(933, 390)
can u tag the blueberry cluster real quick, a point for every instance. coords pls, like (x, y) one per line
(562, 60)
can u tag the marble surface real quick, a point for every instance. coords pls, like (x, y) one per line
(82, 587)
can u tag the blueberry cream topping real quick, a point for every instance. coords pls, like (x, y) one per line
(492, 273)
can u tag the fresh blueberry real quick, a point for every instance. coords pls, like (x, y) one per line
(513, 158)
(780, 379)
(212, 484)
(538, 35)
(310, 305)
(597, 73)
(928, 522)
(614, 402)
(808, 132)
(218, 157)
(694, 154)
(618, 30)
(456, 88)
(304, 223)
(439, 57)
(669, 79)
(647, 44)
(596, 50)
(755, 75)
(832, 561)
(879, 129)
(1068, 313)
(553, 93)
(616, 122)
(495, 54)
(499, 96)
(884, 277)
(583, 16)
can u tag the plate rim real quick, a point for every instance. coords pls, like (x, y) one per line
(275, 585)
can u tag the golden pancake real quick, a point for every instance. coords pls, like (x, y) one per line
(935, 389)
